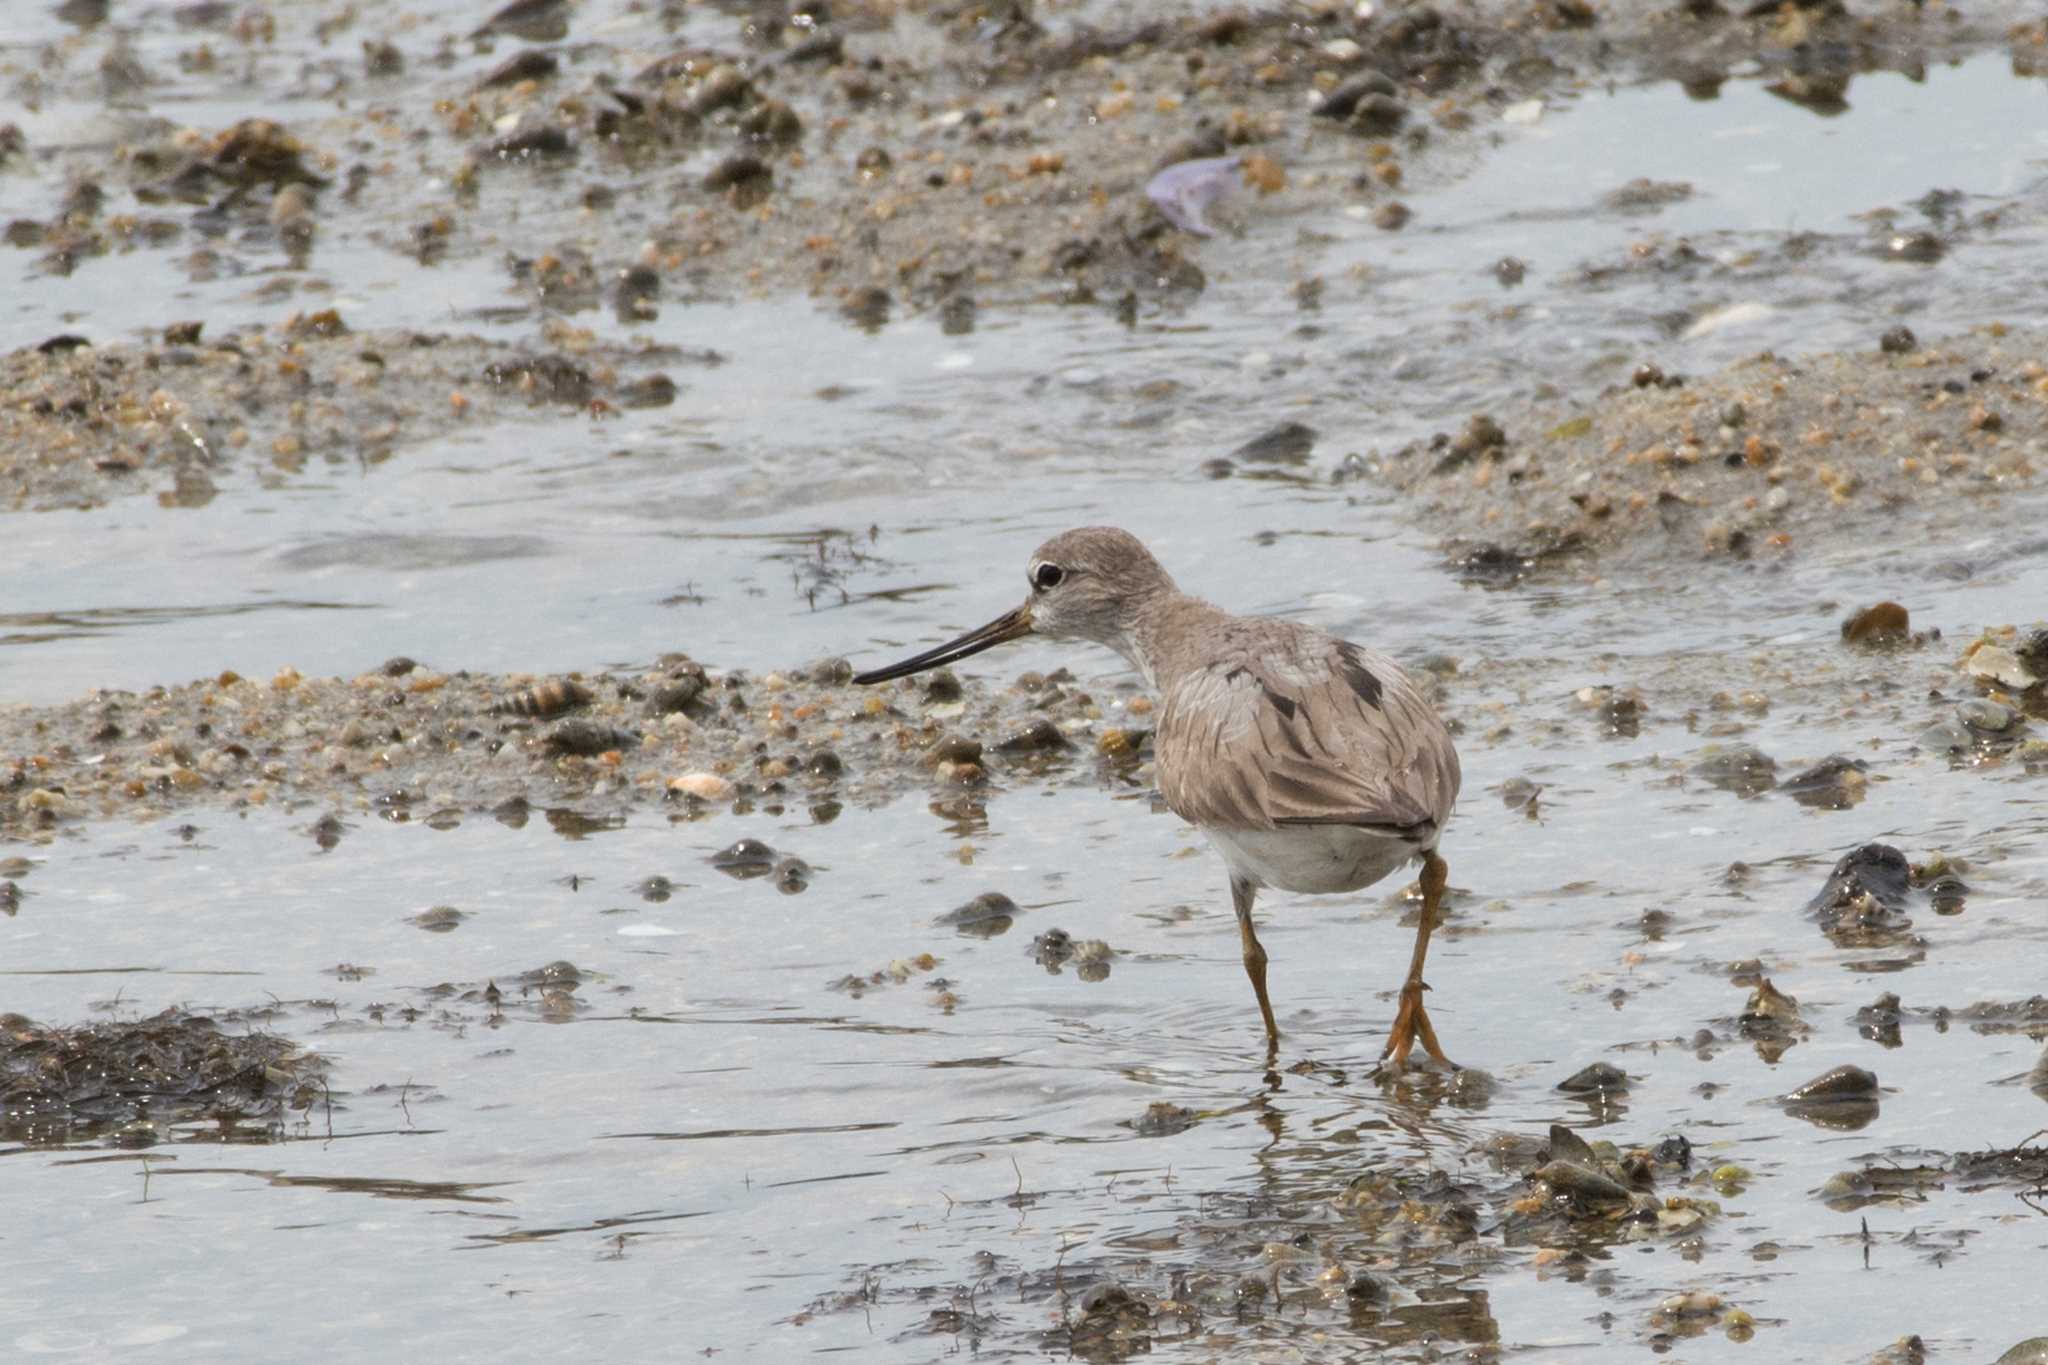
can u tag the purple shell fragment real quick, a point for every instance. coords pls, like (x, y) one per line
(1185, 188)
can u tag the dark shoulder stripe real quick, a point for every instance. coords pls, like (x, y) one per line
(1351, 663)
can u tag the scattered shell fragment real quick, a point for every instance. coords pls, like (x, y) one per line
(1183, 191)
(550, 698)
(1997, 664)
(703, 786)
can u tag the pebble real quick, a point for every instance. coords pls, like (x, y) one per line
(953, 749)
(1987, 717)
(1920, 248)
(1287, 443)
(987, 915)
(1834, 783)
(1882, 624)
(439, 920)
(792, 875)
(1340, 102)
(1947, 737)
(703, 786)
(1839, 1084)
(744, 855)
(1377, 115)
(1041, 736)
(1600, 1076)
(1740, 768)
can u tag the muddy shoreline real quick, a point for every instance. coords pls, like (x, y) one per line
(947, 161)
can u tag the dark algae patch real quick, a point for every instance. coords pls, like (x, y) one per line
(174, 1077)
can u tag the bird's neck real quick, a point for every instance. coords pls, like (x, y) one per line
(1161, 628)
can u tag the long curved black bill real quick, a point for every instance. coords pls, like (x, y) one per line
(1008, 626)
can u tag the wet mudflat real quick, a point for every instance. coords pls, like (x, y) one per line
(999, 1138)
(604, 971)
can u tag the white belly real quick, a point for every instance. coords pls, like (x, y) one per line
(1318, 859)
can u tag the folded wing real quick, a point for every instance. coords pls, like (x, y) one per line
(1300, 728)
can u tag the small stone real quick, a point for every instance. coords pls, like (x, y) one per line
(2033, 652)
(1287, 443)
(1741, 768)
(953, 749)
(1844, 1083)
(650, 391)
(1162, 1119)
(439, 920)
(1898, 341)
(1986, 717)
(1919, 248)
(1886, 623)
(1600, 1076)
(1041, 736)
(792, 876)
(1392, 216)
(744, 857)
(746, 179)
(1342, 101)
(987, 915)
(1377, 115)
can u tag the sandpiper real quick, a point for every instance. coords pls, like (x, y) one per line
(1311, 763)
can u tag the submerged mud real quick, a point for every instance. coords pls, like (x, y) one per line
(82, 423)
(173, 1077)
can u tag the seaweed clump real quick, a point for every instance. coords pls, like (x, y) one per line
(175, 1076)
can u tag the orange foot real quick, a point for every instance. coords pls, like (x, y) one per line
(1411, 1022)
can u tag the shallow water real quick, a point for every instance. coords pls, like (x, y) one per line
(721, 1151)
(655, 1159)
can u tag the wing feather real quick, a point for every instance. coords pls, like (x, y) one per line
(1296, 727)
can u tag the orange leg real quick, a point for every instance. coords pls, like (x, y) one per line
(1411, 1021)
(1241, 893)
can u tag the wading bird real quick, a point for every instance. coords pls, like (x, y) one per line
(1311, 763)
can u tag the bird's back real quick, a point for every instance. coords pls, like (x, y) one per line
(1268, 724)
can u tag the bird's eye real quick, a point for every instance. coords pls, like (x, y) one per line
(1047, 576)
